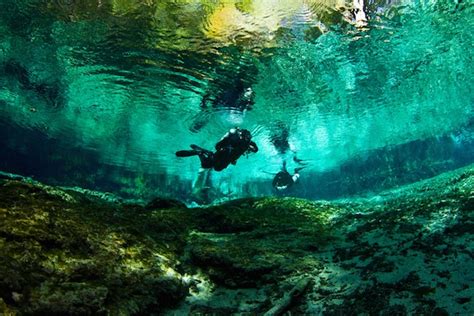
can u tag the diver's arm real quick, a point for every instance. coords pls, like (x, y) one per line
(223, 142)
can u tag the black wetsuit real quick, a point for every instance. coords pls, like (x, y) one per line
(233, 145)
(284, 180)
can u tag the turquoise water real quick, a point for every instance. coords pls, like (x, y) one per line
(101, 94)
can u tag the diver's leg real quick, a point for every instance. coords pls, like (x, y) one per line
(301, 162)
(200, 178)
(297, 170)
(207, 159)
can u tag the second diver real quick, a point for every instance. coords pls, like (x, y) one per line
(284, 180)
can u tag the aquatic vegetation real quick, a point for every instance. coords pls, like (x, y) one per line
(64, 251)
(64, 256)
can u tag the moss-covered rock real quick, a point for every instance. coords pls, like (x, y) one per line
(253, 241)
(63, 257)
(406, 251)
(163, 203)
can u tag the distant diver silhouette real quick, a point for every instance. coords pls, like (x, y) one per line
(280, 138)
(284, 180)
(232, 92)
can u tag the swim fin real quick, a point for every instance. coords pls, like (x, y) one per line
(300, 161)
(297, 170)
(186, 153)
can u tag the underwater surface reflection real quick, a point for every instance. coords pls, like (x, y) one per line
(101, 94)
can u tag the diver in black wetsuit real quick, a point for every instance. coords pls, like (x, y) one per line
(233, 145)
(283, 180)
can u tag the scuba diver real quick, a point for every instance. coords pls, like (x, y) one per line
(284, 180)
(233, 145)
(237, 96)
(280, 138)
(229, 96)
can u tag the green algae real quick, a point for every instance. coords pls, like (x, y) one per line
(61, 247)
(405, 251)
(62, 257)
(247, 242)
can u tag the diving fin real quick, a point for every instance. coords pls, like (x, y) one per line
(300, 161)
(186, 153)
(297, 170)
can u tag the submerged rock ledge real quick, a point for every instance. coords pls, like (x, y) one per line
(407, 251)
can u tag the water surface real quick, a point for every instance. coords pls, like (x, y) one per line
(101, 94)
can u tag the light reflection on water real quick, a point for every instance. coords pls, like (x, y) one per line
(139, 80)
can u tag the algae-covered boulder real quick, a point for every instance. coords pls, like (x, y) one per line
(60, 257)
(405, 251)
(66, 252)
(163, 203)
(252, 241)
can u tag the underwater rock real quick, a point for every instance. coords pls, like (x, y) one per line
(252, 242)
(161, 203)
(289, 298)
(64, 257)
(407, 251)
